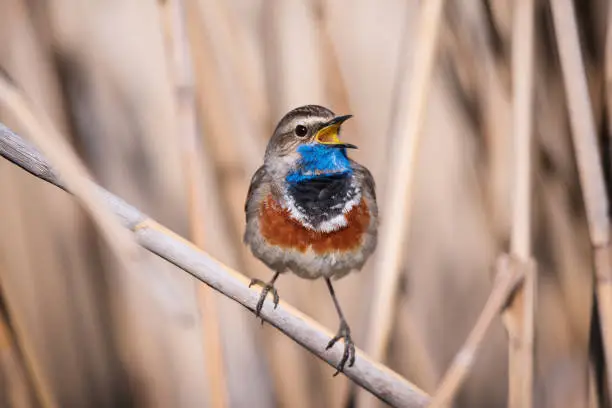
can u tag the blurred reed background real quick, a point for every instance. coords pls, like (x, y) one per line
(170, 105)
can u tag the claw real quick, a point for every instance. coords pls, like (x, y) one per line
(266, 288)
(255, 281)
(349, 347)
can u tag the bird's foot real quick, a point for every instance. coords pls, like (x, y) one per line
(266, 287)
(349, 347)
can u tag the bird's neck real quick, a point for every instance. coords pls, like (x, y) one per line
(322, 189)
(319, 161)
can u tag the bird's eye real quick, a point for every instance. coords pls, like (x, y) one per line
(301, 130)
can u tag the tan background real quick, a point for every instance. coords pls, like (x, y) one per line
(100, 69)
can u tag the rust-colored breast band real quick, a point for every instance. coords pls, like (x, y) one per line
(279, 229)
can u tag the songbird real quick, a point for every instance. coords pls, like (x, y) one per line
(310, 209)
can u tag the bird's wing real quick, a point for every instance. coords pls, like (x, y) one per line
(368, 186)
(257, 182)
(364, 175)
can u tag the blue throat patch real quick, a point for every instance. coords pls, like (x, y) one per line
(320, 161)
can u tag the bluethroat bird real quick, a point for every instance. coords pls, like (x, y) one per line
(311, 209)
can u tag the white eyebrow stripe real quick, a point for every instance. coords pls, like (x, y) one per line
(308, 121)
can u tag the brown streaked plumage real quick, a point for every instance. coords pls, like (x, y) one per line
(310, 209)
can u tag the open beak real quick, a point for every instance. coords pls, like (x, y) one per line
(328, 134)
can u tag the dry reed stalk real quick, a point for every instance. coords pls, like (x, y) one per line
(588, 159)
(519, 315)
(21, 380)
(518, 319)
(334, 81)
(43, 134)
(220, 119)
(507, 277)
(232, 74)
(223, 120)
(593, 398)
(17, 334)
(181, 67)
(401, 176)
(608, 73)
(247, 75)
(24, 362)
(376, 378)
(298, 63)
(337, 394)
(224, 166)
(28, 53)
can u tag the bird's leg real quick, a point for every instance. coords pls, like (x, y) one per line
(344, 332)
(266, 287)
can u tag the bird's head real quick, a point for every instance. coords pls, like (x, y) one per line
(306, 146)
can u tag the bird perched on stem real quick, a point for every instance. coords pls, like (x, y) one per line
(310, 209)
